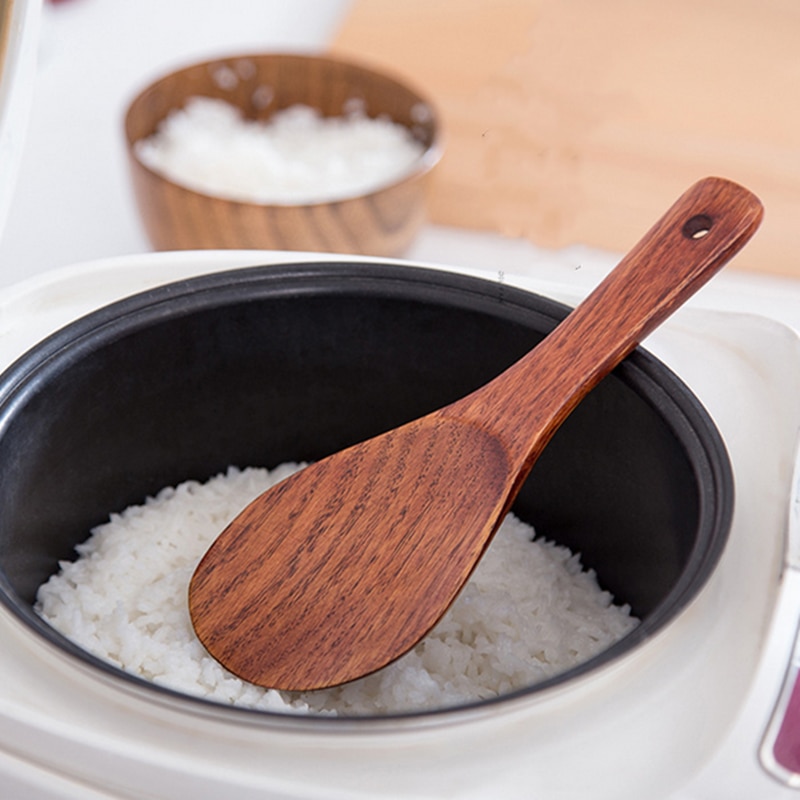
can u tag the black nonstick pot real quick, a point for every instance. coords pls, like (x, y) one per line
(264, 365)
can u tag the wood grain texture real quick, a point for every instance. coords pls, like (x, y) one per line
(381, 223)
(346, 565)
(573, 121)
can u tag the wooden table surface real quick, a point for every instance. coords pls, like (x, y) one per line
(574, 121)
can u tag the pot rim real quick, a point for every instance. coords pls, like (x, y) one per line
(651, 378)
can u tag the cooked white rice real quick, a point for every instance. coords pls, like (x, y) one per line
(528, 612)
(296, 156)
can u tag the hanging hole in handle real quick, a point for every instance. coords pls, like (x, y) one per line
(697, 227)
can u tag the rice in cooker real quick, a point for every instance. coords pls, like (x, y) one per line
(529, 611)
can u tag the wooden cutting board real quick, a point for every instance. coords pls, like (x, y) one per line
(581, 121)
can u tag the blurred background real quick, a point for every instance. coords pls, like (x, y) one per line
(568, 124)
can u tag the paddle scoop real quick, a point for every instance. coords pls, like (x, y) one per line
(344, 566)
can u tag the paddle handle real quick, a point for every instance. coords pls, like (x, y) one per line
(703, 230)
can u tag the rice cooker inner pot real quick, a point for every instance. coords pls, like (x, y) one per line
(260, 366)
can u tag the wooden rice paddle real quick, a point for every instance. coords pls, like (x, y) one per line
(346, 565)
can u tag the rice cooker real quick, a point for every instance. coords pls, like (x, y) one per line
(67, 732)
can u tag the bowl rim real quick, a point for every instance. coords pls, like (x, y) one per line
(660, 386)
(422, 166)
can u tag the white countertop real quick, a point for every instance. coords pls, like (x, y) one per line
(72, 201)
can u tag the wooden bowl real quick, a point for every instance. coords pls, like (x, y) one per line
(381, 223)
